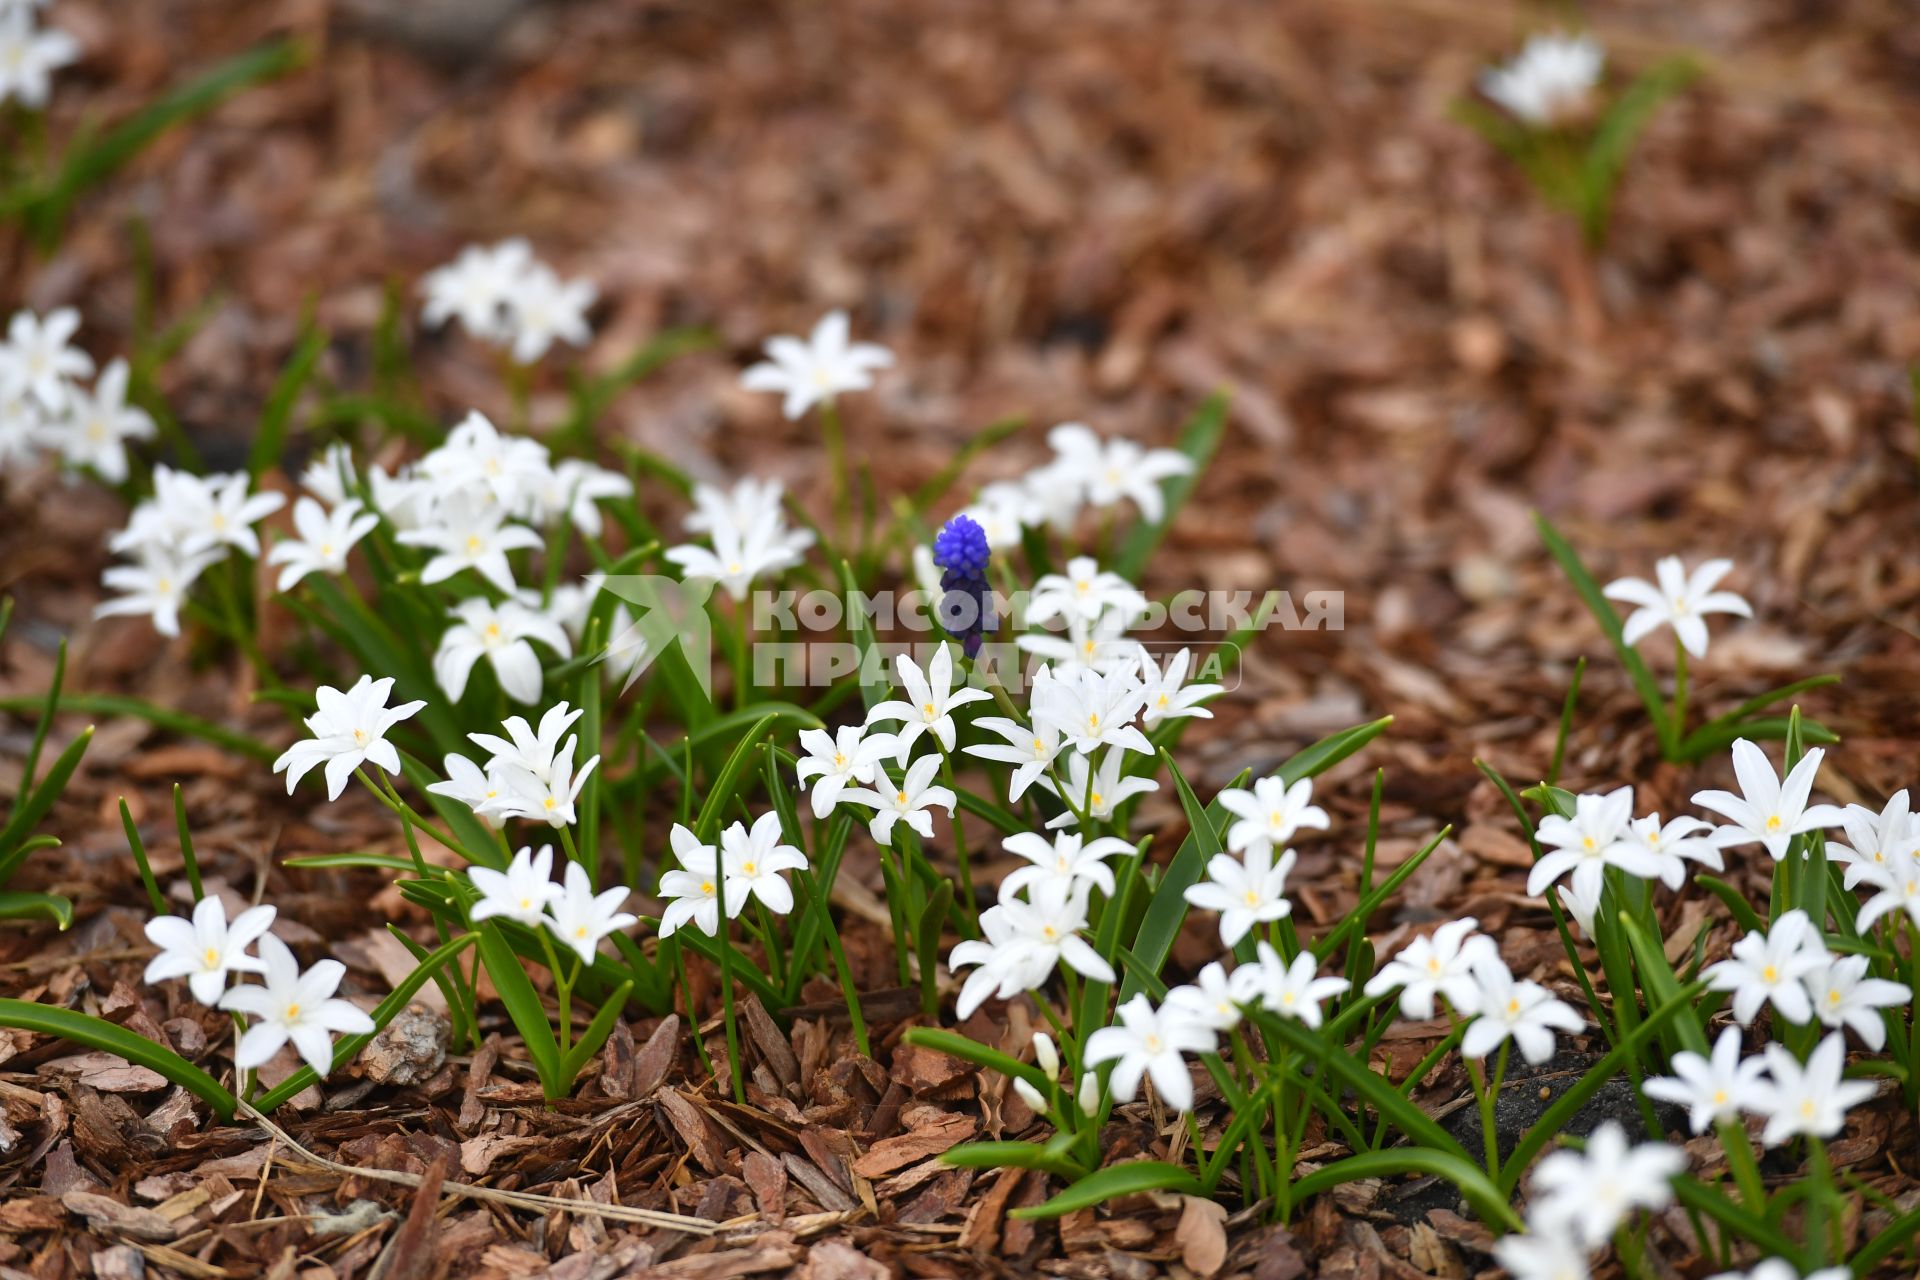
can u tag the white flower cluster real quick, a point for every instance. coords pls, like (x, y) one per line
(502, 294)
(190, 524)
(1550, 80)
(529, 774)
(747, 865)
(573, 912)
(747, 526)
(43, 404)
(30, 55)
(289, 1005)
(1461, 966)
(1085, 471)
(1884, 853)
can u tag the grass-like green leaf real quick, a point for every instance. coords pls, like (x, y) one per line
(1469, 1178)
(27, 816)
(86, 165)
(1116, 1180)
(524, 1007)
(18, 905)
(1603, 613)
(104, 704)
(97, 1033)
(1013, 1155)
(1373, 1088)
(1198, 440)
(270, 439)
(980, 1055)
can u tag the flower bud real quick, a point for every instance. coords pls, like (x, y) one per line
(1030, 1096)
(1089, 1095)
(1045, 1055)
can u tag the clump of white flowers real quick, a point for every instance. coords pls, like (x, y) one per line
(1550, 80)
(503, 295)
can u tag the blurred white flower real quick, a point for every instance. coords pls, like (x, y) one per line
(502, 635)
(155, 584)
(551, 799)
(546, 309)
(30, 56)
(325, 538)
(1885, 839)
(1683, 839)
(1110, 471)
(1084, 591)
(1712, 1089)
(806, 373)
(1591, 1192)
(1812, 1099)
(477, 288)
(38, 359)
(1678, 600)
(1549, 80)
(99, 423)
(1092, 709)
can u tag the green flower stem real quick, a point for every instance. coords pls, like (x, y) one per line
(769, 935)
(693, 1016)
(1745, 1169)
(1486, 1091)
(970, 911)
(1677, 723)
(573, 853)
(1825, 1210)
(849, 991)
(736, 1070)
(835, 437)
(1066, 796)
(562, 989)
(894, 878)
(384, 792)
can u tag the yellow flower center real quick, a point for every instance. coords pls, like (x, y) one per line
(580, 931)
(751, 868)
(928, 710)
(1513, 1007)
(900, 797)
(1770, 974)
(474, 544)
(360, 737)
(706, 887)
(1253, 899)
(293, 1011)
(1719, 1097)
(1096, 799)
(839, 759)
(550, 804)
(213, 957)
(1151, 1043)
(1588, 844)
(1774, 823)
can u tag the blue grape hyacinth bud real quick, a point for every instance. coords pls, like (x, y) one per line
(962, 547)
(966, 609)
